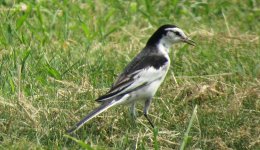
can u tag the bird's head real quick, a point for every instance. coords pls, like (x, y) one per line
(168, 35)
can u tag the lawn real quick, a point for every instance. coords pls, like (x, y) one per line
(57, 57)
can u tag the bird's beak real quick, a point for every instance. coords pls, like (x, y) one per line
(189, 41)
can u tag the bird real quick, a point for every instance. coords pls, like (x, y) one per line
(142, 77)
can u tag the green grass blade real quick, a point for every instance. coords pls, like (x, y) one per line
(155, 134)
(79, 142)
(186, 137)
(53, 72)
(25, 56)
(23, 18)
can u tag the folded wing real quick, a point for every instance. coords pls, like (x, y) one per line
(139, 73)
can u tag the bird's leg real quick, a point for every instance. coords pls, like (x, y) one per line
(133, 111)
(146, 108)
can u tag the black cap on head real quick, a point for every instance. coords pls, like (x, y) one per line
(154, 39)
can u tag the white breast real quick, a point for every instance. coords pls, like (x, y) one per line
(154, 79)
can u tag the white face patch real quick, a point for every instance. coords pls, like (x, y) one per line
(173, 35)
(176, 30)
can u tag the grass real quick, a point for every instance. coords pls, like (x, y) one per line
(57, 57)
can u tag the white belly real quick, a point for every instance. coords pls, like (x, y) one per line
(150, 89)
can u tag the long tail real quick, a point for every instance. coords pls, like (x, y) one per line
(103, 107)
(91, 115)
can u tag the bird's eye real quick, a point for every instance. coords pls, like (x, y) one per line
(177, 33)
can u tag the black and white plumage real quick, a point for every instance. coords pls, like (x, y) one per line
(142, 76)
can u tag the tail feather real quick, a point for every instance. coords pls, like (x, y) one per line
(92, 114)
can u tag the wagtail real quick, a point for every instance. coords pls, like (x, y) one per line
(142, 77)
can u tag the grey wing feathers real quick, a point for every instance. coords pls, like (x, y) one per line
(130, 74)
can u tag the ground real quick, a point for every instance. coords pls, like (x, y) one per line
(58, 57)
